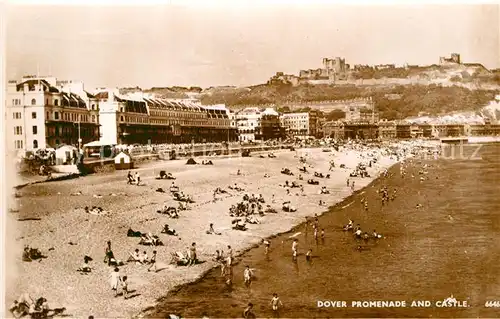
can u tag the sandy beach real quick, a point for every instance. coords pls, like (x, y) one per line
(63, 221)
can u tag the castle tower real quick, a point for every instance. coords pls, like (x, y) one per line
(455, 57)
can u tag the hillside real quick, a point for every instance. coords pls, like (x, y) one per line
(393, 102)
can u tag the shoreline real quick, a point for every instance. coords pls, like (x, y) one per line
(273, 225)
(251, 246)
(241, 253)
(212, 275)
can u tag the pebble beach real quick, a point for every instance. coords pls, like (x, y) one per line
(50, 217)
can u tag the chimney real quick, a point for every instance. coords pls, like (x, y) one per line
(111, 96)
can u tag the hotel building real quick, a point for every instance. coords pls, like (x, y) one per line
(143, 119)
(300, 124)
(44, 113)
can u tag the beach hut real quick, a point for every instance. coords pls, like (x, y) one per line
(66, 155)
(123, 161)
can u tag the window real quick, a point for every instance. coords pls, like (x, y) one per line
(35, 130)
(93, 118)
(93, 106)
(33, 101)
(18, 130)
(33, 115)
(56, 102)
(18, 144)
(35, 144)
(56, 115)
(16, 115)
(48, 116)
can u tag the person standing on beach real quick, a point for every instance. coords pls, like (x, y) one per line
(308, 255)
(192, 254)
(108, 253)
(347, 181)
(115, 280)
(247, 276)
(137, 178)
(276, 304)
(295, 245)
(266, 243)
(229, 251)
(247, 313)
(124, 287)
(352, 186)
(153, 262)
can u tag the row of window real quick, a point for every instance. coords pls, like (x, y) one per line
(33, 102)
(18, 144)
(178, 114)
(67, 116)
(73, 117)
(18, 130)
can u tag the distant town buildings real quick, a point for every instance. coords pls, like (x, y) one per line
(43, 112)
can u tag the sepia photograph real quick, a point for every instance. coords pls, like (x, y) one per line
(251, 159)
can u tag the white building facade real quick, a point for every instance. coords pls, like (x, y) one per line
(248, 124)
(42, 114)
(295, 124)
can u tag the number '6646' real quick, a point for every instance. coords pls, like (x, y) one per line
(492, 304)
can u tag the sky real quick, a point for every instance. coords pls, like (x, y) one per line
(236, 43)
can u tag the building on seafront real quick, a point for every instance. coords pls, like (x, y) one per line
(45, 113)
(301, 124)
(144, 119)
(255, 124)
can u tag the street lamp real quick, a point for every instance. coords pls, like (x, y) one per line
(79, 137)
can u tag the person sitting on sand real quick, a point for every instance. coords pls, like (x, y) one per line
(144, 258)
(130, 178)
(168, 231)
(211, 230)
(85, 267)
(21, 305)
(238, 173)
(135, 256)
(26, 254)
(39, 309)
(376, 235)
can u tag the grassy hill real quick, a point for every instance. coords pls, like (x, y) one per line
(410, 100)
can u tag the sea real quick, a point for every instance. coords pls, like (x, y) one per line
(441, 238)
